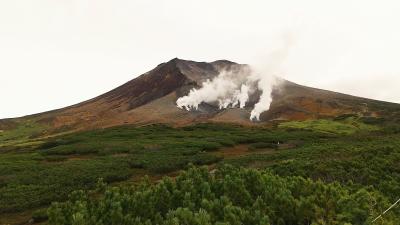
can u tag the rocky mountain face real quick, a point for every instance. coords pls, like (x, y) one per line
(151, 98)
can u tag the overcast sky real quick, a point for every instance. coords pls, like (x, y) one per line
(54, 53)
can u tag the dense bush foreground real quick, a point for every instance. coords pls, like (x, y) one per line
(227, 195)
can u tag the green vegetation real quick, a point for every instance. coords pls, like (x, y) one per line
(49, 173)
(357, 160)
(351, 155)
(344, 125)
(28, 182)
(25, 131)
(227, 196)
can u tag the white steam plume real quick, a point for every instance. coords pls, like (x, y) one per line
(266, 85)
(229, 89)
(233, 88)
(268, 74)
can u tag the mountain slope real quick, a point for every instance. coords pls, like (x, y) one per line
(151, 97)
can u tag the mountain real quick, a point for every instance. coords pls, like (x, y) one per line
(343, 149)
(151, 98)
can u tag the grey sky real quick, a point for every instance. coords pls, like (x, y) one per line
(57, 53)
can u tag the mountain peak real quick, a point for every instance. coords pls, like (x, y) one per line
(173, 61)
(184, 64)
(199, 72)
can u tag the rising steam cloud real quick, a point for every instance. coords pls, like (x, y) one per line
(232, 88)
(229, 89)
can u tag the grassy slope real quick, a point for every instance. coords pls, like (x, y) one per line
(346, 150)
(25, 133)
(346, 126)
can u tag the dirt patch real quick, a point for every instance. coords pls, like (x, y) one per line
(285, 146)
